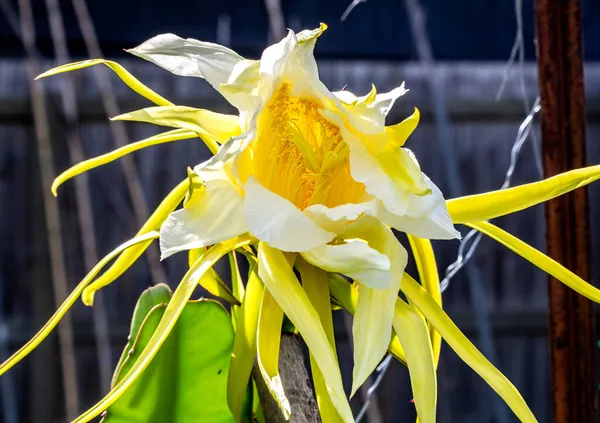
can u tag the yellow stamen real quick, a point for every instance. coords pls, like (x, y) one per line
(300, 155)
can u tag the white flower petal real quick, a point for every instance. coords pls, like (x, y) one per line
(335, 219)
(426, 217)
(278, 222)
(213, 214)
(241, 88)
(365, 168)
(384, 102)
(354, 259)
(372, 325)
(189, 57)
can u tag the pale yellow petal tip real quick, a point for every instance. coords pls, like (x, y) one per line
(416, 115)
(309, 35)
(124, 116)
(354, 390)
(88, 296)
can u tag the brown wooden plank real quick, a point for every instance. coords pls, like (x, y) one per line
(571, 327)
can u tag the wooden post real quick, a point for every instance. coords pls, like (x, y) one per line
(571, 321)
(296, 385)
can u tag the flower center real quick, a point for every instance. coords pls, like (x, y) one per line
(301, 156)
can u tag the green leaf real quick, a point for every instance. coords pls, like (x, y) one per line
(187, 380)
(154, 296)
(176, 305)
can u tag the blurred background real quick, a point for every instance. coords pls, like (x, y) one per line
(470, 68)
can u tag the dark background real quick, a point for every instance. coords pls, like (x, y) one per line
(376, 29)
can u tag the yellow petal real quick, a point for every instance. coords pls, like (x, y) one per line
(412, 332)
(486, 206)
(346, 295)
(314, 281)
(194, 254)
(79, 168)
(237, 286)
(129, 257)
(125, 76)
(180, 298)
(66, 305)
(244, 344)
(399, 133)
(465, 349)
(213, 283)
(430, 279)
(280, 280)
(269, 337)
(401, 167)
(213, 128)
(539, 259)
(372, 326)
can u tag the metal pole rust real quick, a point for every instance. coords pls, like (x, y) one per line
(571, 321)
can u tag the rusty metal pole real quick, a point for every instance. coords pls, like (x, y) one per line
(571, 321)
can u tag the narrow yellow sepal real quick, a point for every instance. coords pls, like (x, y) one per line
(399, 133)
(214, 128)
(125, 76)
(169, 203)
(180, 298)
(279, 278)
(66, 305)
(244, 344)
(486, 206)
(412, 332)
(465, 349)
(270, 321)
(346, 295)
(314, 281)
(79, 168)
(539, 259)
(213, 283)
(430, 279)
(237, 285)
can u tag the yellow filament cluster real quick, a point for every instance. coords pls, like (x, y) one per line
(301, 156)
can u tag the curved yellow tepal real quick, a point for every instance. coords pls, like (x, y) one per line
(412, 332)
(279, 278)
(430, 279)
(66, 305)
(216, 286)
(399, 133)
(346, 295)
(214, 128)
(130, 80)
(268, 341)
(314, 281)
(84, 166)
(237, 284)
(465, 349)
(244, 344)
(486, 206)
(539, 259)
(178, 301)
(168, 204)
